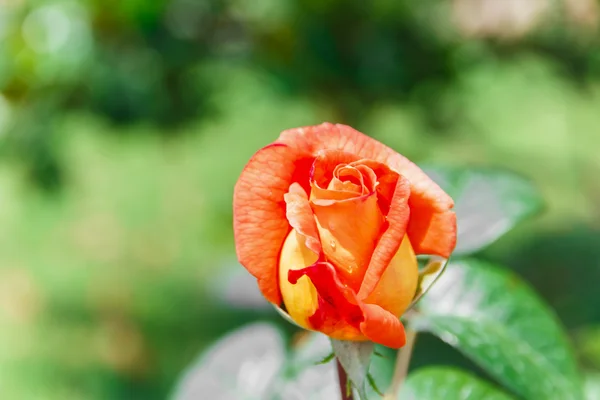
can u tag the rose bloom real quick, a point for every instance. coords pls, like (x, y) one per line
(329, 220)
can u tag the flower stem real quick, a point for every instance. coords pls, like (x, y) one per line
(402, 363)
(344, 384)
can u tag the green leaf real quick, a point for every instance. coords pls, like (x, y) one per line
(437, 383)
(312, 349)
(488, 203)
(327, 359)
(373, 385)
(381, 370)
(501, 324)
(243, 365)
(306, 379)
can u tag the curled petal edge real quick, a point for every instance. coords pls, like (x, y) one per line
(375, 323)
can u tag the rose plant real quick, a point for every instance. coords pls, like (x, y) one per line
(333, 225)
(329, 220)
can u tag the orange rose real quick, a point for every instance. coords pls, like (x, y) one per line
(329, 220)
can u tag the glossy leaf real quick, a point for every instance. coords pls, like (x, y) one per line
(437, 383)
(501, 324)
(488, 203)
(252, 364)
(317, 382)
(242, 366)
(306, 378)
(381, 370)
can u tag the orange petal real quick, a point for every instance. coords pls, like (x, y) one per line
(386, 181)
(349, 231)
(301, 217)
(259, 222)
(369, 177)
(347, 179)
(389, 243)
(326, 161)
(433, 231)
(326, 136)
(322, 175)
(427, 198)
(382, 327)
(346, 186)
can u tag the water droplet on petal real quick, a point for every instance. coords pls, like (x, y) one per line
(332, 244)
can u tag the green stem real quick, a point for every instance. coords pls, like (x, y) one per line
(345, 393)
(402, 363)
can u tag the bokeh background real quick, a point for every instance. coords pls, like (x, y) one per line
(124, 126)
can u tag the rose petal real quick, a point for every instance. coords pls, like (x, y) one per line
(322, 174)
(427, 198)
(348, 179)
(349, 225)
(369, 177)
(435, 232)
(325, 163)
(300, 298)
(397, 286)
(339, 303)
(330, 195)
(331, 290)
(382, 327)
(351, 188)
(349, 231)
(385, 178)
(328, 320)
(308, 309)
(259, 221)
(300, 216)
(389, 243)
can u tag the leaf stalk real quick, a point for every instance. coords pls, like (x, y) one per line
(402, 364)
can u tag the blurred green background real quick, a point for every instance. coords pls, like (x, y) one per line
(124, 126)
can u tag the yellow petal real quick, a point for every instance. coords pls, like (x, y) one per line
(300, 299)
(398, 284)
